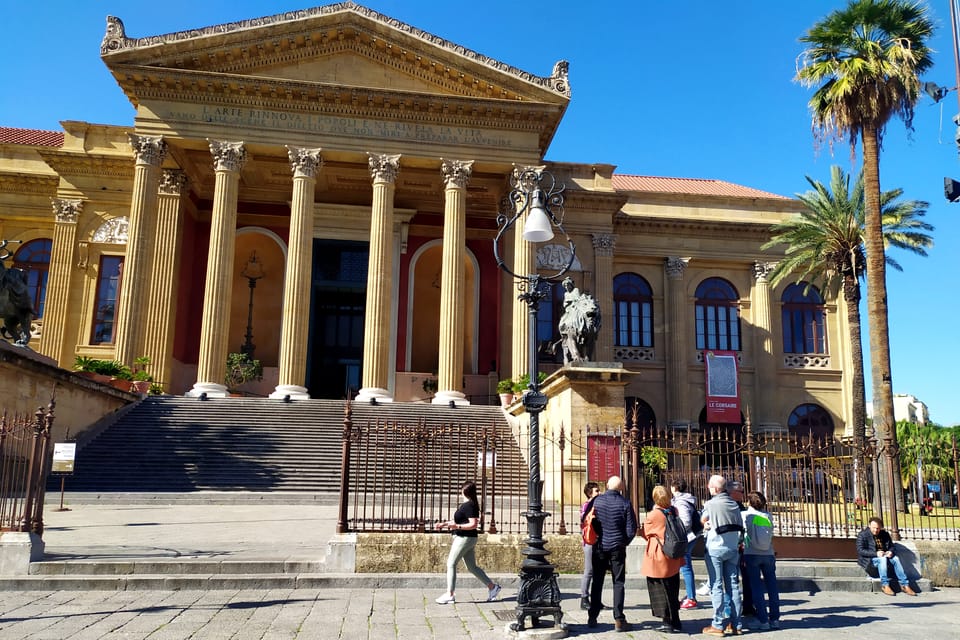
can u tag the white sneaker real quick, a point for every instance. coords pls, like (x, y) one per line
(704, 589)
(494, 592)
(446, 599)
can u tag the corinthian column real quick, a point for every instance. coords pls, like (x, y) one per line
(162, 302)
(305, 164)
(524, 264)
(763, 346)
(58, 280)
(149, 151)
(376, 336)
(675, 326)
(456, 174)
(603, 245)
(228, 159)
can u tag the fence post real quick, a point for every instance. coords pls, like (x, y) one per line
(561, 442)
(345, 468)
(891, 450)
(26, 519)
(43, 469)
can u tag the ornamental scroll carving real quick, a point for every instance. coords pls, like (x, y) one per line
(305, 163)
(173, 182)
(384, 167)
(113, 231)
(762, 270)
(149, 150)
(227, 156)
(675, 267)
(456, 173)
(66, 211)
(604, 244)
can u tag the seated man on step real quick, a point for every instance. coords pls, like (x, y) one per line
(875, 550)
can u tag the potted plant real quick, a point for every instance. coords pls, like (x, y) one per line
(241, 369)
(141, 379)
(522, 384)
(505, 391)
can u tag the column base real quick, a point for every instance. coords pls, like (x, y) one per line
(373, 395)
(211, 389)
(446, 397)
(294, 392)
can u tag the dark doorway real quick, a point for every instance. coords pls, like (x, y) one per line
(337, 306)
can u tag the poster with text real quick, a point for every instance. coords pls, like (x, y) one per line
(723, 388)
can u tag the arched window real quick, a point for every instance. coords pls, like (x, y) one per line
(811, 418)
(646, 418)
(718, 315)
(34, 258)
(633, 311)
(105, 304)
(804, 328)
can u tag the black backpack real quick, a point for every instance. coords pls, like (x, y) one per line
(696, 524)
(675, 535)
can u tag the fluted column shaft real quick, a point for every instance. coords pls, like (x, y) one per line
(677, 342)
(376, 338)
(149, 152)
(763, 344)
(456, 174)
(58, 280)
(162, 301)
(305, 164)
(524, 264)
(229, 158)
(603, 246)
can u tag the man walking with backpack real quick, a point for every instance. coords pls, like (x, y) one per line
(617, 523)
(724, 528)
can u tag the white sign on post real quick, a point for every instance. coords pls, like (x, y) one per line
(64, 454)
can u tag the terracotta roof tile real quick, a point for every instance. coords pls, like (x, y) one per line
(35, 137)
(690, 186)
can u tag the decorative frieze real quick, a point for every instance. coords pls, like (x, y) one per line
(634, 354)
(806, 361)
(173, 182)
(604, 244)
(66, 211)
(150, 150)
(675, 267)
(227, 156)
(456, 173)
(113, 231)
(384, 167)
(556, 256)
(305, 163)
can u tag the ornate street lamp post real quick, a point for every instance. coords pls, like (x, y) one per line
(535, 205)
(252, 271)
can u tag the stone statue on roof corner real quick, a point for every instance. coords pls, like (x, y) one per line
(16, 308)
(579, 324)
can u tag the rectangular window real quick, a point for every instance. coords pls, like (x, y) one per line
(105, 303)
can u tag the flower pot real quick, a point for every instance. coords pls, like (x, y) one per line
(140, 386)
(506, 399)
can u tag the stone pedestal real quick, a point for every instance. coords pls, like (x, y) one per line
(17, 551)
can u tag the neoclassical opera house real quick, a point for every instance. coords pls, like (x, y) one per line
(322, 187)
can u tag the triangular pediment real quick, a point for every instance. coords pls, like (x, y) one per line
(343, 45)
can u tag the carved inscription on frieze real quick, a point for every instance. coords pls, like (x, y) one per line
(335, 125)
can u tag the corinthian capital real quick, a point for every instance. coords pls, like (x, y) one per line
(173, 182)
(456, 173)
(305, 163)
(762, 270)
(675, 267)
(603, 244)
(149, 150)
(227, 156)
(384, 167)
(66, 211)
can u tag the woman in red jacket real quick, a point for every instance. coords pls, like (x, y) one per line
(662, 572)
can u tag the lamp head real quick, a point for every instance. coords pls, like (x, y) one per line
(537, 226)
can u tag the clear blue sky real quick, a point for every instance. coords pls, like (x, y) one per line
(688, 88)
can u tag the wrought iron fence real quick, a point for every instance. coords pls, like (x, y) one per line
(24, 464)
(406, 477)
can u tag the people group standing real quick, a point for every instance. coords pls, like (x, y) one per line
(686, 505)
(616, 522)
(760, 562)
(724, 526)
(662, 572)
(591, 490)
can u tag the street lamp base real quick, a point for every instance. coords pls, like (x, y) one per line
(538, 597)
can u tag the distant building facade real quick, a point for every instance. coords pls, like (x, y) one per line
(324, 179)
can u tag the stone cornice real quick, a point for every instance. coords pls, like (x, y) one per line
(629, 225)
(65, 163)
(29, 184)
(257, 41)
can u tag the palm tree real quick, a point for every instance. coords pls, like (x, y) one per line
(866, 61)
(824, 245)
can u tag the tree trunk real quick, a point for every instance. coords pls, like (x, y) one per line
(851, 296)
(883, 419)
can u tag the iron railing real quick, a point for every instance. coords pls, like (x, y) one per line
(24, 465)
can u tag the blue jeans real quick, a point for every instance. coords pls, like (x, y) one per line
(767, 566)
(881, 565)
(587, 570)
(723, 565)
(686, 572)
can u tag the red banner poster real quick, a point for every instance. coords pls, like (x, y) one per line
(723, 388)
(603, 458)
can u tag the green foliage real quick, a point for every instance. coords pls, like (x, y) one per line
(653, 458)
(110, 368)
(931, 444)
(505, 386)
(241, 369)
(523, 382)
(139, 371)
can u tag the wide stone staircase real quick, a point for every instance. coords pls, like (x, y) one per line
(175, 444)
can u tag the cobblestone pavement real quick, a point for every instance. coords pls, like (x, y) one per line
(362, 614)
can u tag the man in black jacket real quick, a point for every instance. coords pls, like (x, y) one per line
(617, 528)
(875, 548)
